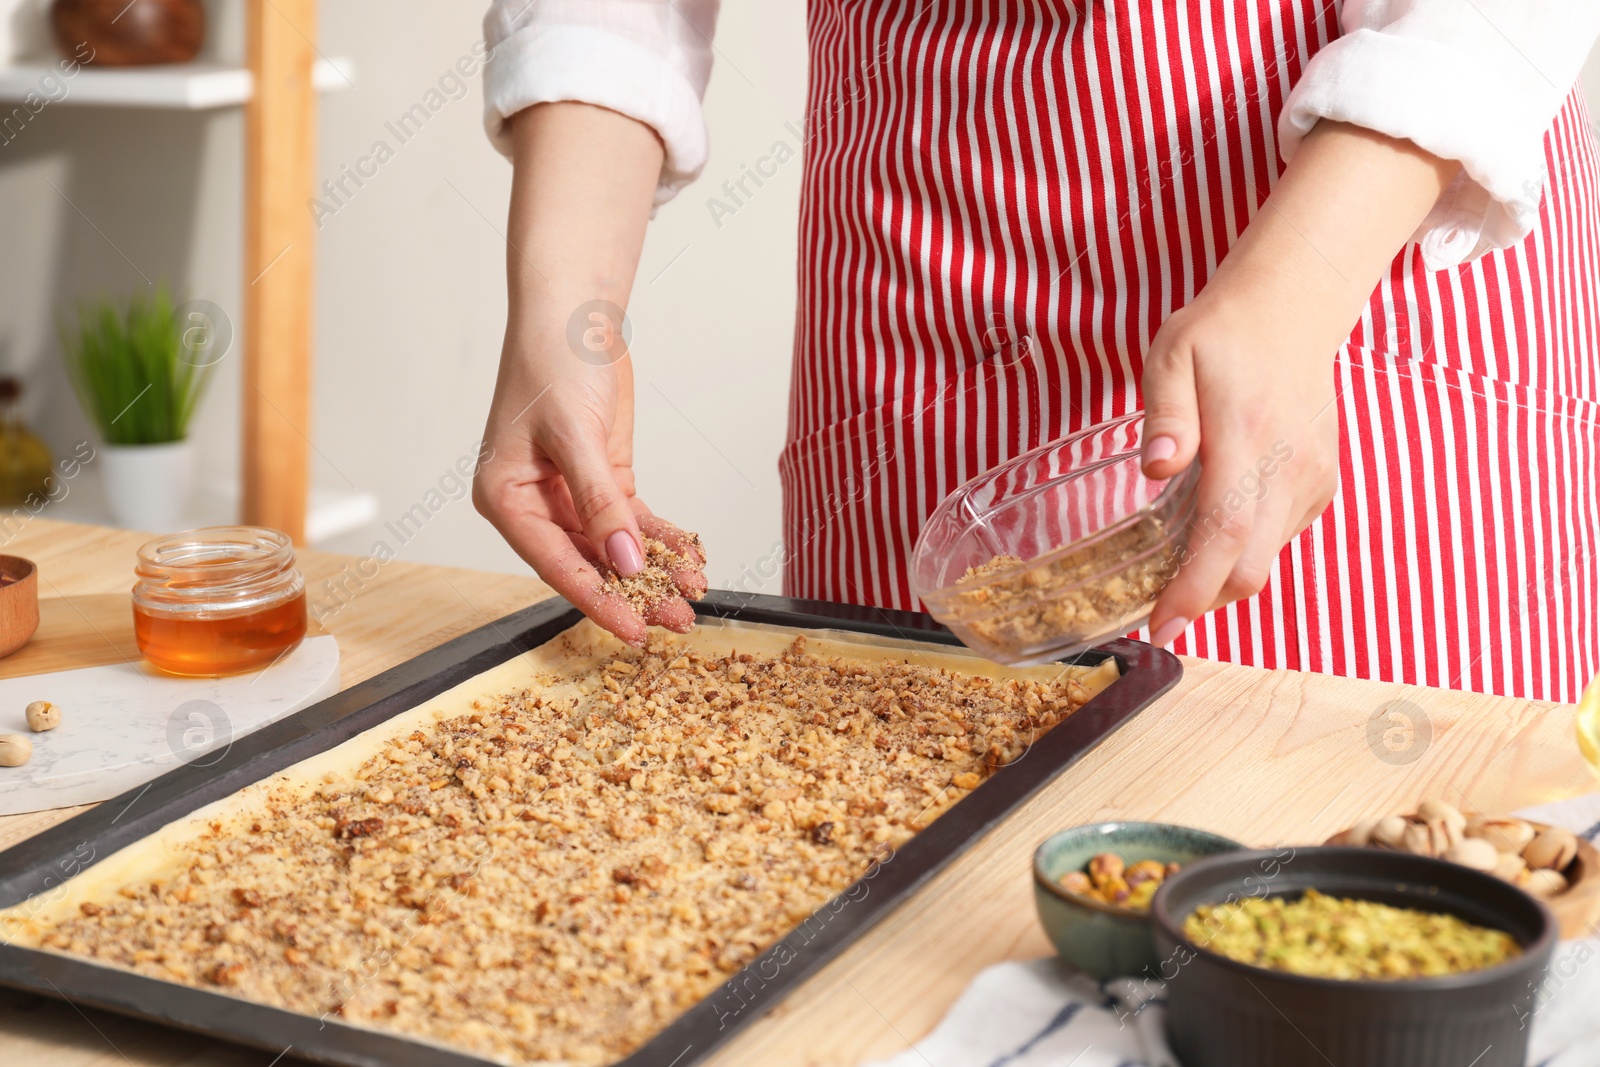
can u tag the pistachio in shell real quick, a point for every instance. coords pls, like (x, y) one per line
(1474, 852)
(1360, 835)
(15, 750)
(1545, 882)
(1455, 823)
(1553, 849)
(1418, 839)
(42, 715)
(1511, 867)
(1441, 838)
(1507, 835)
(1390, 832)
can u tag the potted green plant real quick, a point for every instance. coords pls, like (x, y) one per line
(139, 373)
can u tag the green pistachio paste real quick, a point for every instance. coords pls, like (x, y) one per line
(1332, 937)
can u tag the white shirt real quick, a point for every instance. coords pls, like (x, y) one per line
(1478, 81)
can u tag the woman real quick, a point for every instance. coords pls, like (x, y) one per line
(1018, 219)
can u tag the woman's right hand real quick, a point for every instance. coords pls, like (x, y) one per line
(557, 478)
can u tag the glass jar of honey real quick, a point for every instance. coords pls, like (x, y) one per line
(216, 601)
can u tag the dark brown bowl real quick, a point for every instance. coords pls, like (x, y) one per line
(19, 602)
(116, 33)
(1224, 1013)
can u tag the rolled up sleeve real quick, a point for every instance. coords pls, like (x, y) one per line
(647, 59)
(1477, 81)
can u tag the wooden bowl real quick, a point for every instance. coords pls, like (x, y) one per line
(116, 33)
(1577, 907)
(19, 602)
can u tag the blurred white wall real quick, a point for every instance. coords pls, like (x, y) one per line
(410, 298)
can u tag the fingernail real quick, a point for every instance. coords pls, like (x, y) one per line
(1170, 631)
(624, 553)
(1159, 449)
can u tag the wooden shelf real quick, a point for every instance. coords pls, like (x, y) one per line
(179, 86)
(277, 86)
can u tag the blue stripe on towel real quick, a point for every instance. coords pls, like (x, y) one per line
(1060, 1019)
(1592, 832)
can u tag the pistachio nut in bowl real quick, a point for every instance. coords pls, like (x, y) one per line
(1057, 550)
(1095, 923)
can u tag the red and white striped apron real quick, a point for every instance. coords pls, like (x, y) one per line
(1002, 202)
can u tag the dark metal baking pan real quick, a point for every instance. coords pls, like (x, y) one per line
(42, 862)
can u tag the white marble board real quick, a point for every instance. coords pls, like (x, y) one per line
(125, 724)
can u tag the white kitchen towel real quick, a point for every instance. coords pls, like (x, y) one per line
(1042, 1013)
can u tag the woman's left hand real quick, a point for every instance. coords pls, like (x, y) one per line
(1242, 378)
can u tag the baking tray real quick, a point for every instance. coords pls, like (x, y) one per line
(44, 861)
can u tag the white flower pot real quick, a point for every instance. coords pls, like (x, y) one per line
(25, 32)
(147, 486)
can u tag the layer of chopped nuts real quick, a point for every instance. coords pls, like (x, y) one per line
(1028, 607)
(557, 879)
(654, 583)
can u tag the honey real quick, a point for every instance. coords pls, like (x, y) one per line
(217, 601)
(226, 645)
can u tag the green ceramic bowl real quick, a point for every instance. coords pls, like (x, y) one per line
(1098, 939)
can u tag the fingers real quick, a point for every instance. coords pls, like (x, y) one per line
(1171, 436)
(554, 554)
(599, 503)
(1311, 515)
(1241, 526)
(1268, 534)
(682, 543)
(1284, 513)
(1221, 530)
(675, 615)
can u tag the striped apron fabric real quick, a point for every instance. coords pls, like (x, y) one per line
(1002, 202)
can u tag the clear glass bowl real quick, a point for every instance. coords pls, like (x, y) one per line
(1056, 551)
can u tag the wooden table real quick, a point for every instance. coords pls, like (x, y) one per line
(1265, 757)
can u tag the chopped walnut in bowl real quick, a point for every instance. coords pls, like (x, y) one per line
(1057, 551)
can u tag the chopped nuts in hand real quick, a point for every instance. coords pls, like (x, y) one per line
(655, 584)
